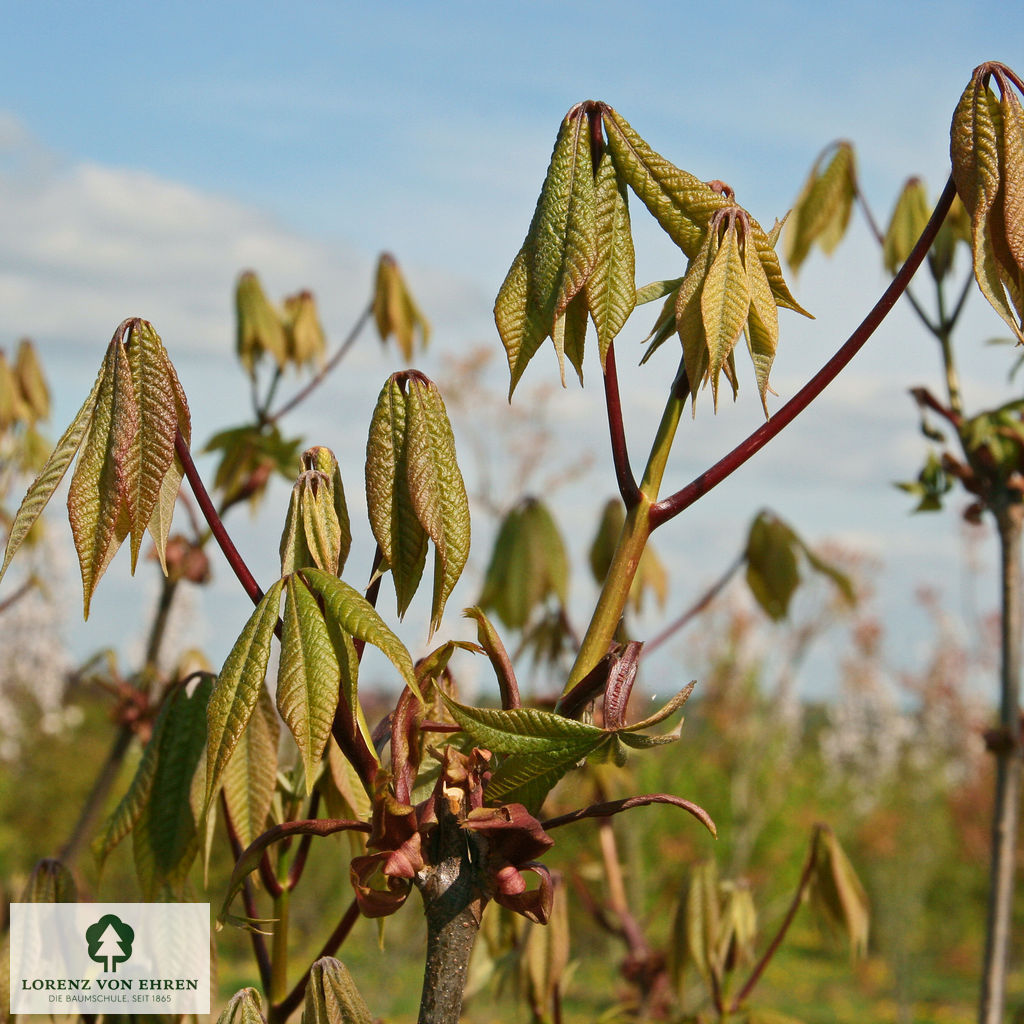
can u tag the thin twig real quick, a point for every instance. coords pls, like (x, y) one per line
(671, 506)
(331, 363)
(206, 506)
(697, 607)
(773, 946)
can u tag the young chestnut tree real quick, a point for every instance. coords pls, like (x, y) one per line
(449, 796)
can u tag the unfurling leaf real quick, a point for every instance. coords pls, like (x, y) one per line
(726, 292)
(651, 575)
(127, 475)
(836, 891)
(529, 563)
(773, 571)
(955, 228)
(332, 996)
(558, 255)
(13, 407)
(304, 337)
(317, 531)
(414, 489)
(394, 309)
(260, 329)
(821, 212)
(908, 220)
(156, 806)
(987, 151)
(244, 1007)
(50, 882)
(164, 837)
(28, 375)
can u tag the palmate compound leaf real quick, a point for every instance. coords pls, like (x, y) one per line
(773, 570)
(414, 489)
(317, 530)
(558, 255)
(681, 203)
(528, 564)
(238, 688)
(725, 293)
(127, 475)
(395, 311)
(542, 746)
(332, 996)
(908, 220)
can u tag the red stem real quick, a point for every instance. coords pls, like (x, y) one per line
(227, 545)
(620, 454)
(671, 506)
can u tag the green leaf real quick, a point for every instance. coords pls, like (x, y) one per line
(762, 327)
(822, 210)
(523, 730)
(611, 288)
(837, 892)
(724, 303)
(680, 202)
(332, 996)
(436, 488)
(238, 687)
(259, 325)
(558, 254)
(42, 488)
(772, 571)
(909, 217)
(393, 519)
(307, 681)
(250, 776)
(353, 614)
(31, 381)
(528, 778)
(394, 309)
(689, 320)
(164, 838)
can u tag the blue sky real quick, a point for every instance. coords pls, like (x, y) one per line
(148, 152)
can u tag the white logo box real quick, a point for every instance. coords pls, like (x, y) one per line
(110, 958)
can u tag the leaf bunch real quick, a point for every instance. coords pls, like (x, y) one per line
(822, 210)
(292, 336)
(317, 531)
(578, 256)
(987, 152)
(415, 494)
(24, 395)
(772, 555)
(395, 311)
(127, 476)
(529, 563)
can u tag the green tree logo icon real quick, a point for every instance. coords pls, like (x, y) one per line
(110, 941)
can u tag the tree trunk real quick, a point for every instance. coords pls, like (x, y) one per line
(1006, 747)
(453, 901)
